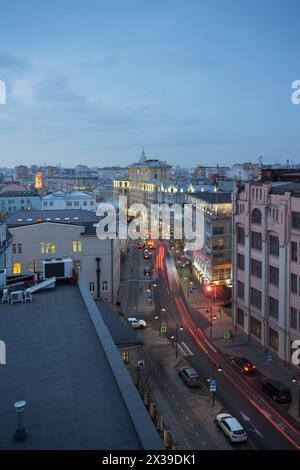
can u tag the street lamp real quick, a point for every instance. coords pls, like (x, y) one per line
(296, 380)
(178, 328)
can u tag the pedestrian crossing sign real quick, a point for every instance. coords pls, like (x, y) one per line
(226, 334)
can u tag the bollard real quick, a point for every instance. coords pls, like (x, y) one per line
(152, 410)
(166, 438)
(147, 399)
(20, 433)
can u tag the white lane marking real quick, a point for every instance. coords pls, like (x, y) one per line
(181, 350)
(187, 348)
(187, 418)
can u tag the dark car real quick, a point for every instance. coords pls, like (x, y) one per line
(189, 376)
(278, 391)
(147, 272)
(242, 364)
(227, 303)
(147, 254)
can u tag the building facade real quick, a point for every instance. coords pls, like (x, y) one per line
(266, 263)
(5, 248)
(61, 200)
(212, 263)
(69, 233)
(13, 201)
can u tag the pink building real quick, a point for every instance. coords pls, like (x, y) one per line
(266, 263)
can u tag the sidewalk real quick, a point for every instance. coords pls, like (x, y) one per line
(240, 344)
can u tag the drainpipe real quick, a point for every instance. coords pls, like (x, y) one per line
(98, 271)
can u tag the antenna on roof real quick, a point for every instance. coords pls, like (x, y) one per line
(143, 156)
(260, 161)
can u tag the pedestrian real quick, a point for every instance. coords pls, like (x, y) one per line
(231, 336)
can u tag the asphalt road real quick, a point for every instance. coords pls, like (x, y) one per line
(266, 426)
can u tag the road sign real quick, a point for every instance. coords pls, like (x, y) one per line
(163, 327)
(191, 290)
(149, 295)
(226, 334)
(269, 356)
(213, 385)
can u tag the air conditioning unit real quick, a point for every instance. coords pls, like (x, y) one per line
(59, 267)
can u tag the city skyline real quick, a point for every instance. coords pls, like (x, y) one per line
(94, 85)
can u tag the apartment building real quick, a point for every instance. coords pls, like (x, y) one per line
(13, 201)
(266, 263)
(41, 235)
(212, 263)
(60, 200)
(5, 248)
(81, 182)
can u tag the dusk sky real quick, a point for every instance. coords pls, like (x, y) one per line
(192, 81)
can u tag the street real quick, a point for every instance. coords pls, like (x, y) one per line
(267, 426)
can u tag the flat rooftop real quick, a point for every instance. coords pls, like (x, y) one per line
(74, 382)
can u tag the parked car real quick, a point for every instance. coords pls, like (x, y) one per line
(227, 303)
(147, 272)
(278, 391)
(231, 427)
(242, 364)
(147, 254)
(189, 376)
(140, 245)
(136, 323)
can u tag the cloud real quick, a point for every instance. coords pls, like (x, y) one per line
(57, 90)
(11, 65)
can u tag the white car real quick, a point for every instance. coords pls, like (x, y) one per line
(136, 323)
(231, 427)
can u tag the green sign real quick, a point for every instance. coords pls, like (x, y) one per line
(226, 334)
(163, 327)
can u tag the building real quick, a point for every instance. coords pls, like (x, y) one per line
(41, 235)
(64, 364)
(5, 248)
(13, 201)
(212, 263)
(124, 336)
(21, 172)
(71, 182)
(266, 263)
(112, 172)
(60, 200)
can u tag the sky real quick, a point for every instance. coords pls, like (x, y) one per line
(191, 81)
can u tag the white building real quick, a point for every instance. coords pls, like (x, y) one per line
(61, 200)
(40, 235)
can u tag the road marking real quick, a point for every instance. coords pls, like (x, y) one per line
(182, 350)
(191, 424)
(187, 418)
(187, 348)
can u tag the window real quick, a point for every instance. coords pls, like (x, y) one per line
(241, 235)
(296, 220)
(240, 317)
(126, 357)
(14, 249)
(85, 203)
(274, 275)
(256, 240)
(47, 247)
(45, 203)
(256, 217)
(294, 283)
(241, 261)
(273, 308)
(240, 290)
(218, 230)
(104, 286)
(273, 339)
(294, 318)
(51, 203)
(92, 287)
(19, 248)
(76, 203)
(256, 268)
(69, 203)
(255, 327)
(294, 251)
(255, 298)
(274, 245)
(17, 268)
(77, 246)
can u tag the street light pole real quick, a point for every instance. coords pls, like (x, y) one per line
(178, 328)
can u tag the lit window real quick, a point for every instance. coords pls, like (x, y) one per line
(126, 357)
(47, 247)
(92, 287)
(77, 246)
(17, 268)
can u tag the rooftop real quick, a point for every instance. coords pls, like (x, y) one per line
(121, 332)
(18, 194)
(282, 187)
(68, 194)
(214, 197)
(62, 361)
(71, 216)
